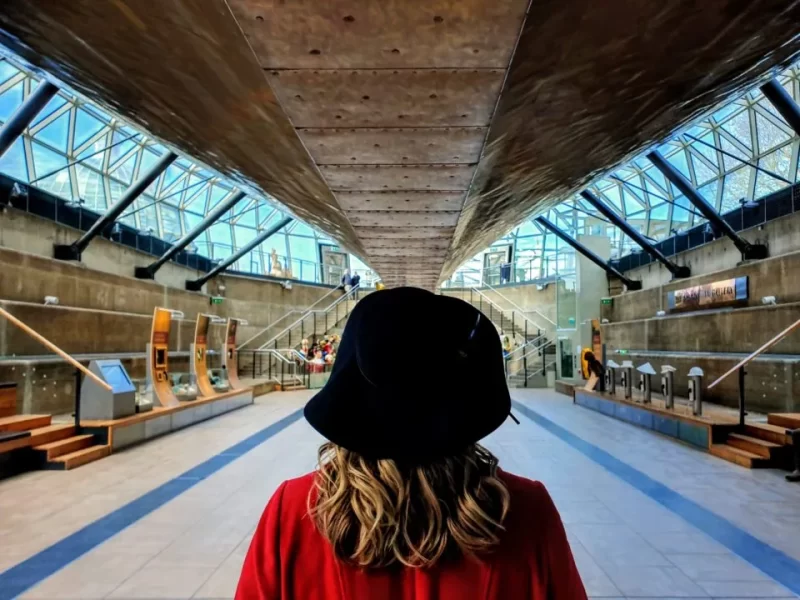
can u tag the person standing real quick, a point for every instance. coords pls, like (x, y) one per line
(406, 503)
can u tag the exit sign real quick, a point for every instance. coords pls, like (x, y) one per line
(217, 299)
(607, 301)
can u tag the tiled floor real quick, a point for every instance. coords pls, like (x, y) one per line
(626, 544)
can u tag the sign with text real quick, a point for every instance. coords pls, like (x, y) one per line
(708, 295)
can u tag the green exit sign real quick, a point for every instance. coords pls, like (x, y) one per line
(622, 351)
(217, 299)
(607, 301)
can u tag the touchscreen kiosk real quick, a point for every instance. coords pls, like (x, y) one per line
(158, 360)
(98, 403)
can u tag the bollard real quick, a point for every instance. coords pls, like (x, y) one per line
(610, 376)
(795, 476)
(627, 379)
(667, 386)
(696, 390)
(646, 371)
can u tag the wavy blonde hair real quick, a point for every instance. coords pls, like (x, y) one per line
(377, 513)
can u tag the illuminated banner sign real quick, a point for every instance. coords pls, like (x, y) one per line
(708, 295)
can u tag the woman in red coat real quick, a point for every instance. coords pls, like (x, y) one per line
(405, 502)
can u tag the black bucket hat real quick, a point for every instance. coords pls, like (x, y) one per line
(417, 377)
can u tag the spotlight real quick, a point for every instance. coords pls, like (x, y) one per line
(50, 300)
(772, 300)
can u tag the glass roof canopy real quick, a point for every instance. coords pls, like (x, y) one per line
(113, 154)
(713, 153)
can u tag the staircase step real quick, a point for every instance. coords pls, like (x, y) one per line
(80, 457)
(753, 445)
(24, 422)
(40, 435)
(787, 420)
(65, 446)
(737, 456)
(770, 433)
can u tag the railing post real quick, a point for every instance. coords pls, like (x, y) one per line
(525, 368)
(314, 333)
(260, 364)
(513, 326)
(269, 366)
(470, 295)
(290, 338)
(77, 402)
(742, 412)
(254, 364)
(281, 373)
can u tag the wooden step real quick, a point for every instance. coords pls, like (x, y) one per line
(737, 456)
(753, 445)
(80, 457)
(65, 446)
(24, 422)
(787, 420)
(41, 435)
(770, 433)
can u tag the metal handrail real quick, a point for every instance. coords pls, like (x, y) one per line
(291, 312)
(740, 367)
(537, 371)
(533, 341)
(519, 309)
(342, 298)
(504, 310)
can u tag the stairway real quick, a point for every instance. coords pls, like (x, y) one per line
(760, 445)
(53, 446)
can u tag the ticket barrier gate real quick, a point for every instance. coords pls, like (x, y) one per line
(696, 390)
(668, 385)
(626, 380)
(645, 370)
(610, 377)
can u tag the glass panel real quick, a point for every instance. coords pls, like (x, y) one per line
(86, 126)
(10, 101)
(678, 160)
(120, 149)
(778, 162)
(737, 187)
(769, 135)
(613, 197)
(97, 153)
(709, 193)
(55, 134)
(701, 171)
(124, 172)
(55, 103)
(13, 162)
(90, 187)
(739, 127)
(7, 71)
(170, 218)
(729, 162)
(765, 184)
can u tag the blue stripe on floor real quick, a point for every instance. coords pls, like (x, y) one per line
(781, 567)
(25, 575)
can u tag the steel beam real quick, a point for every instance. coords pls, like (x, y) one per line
(150, 270)
(197, 284)
(633, 233)
(749, 251)
(629, 283)
(783, 103)
(73, 251)
(25, 114)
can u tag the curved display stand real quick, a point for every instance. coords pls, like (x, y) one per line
(157, 361)
(199, 363)
(230, 356)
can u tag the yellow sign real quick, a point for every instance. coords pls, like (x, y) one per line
(708, 295)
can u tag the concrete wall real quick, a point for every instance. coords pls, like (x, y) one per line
(104, 309)
(777, 276)
(743, 330)
(781, 236)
